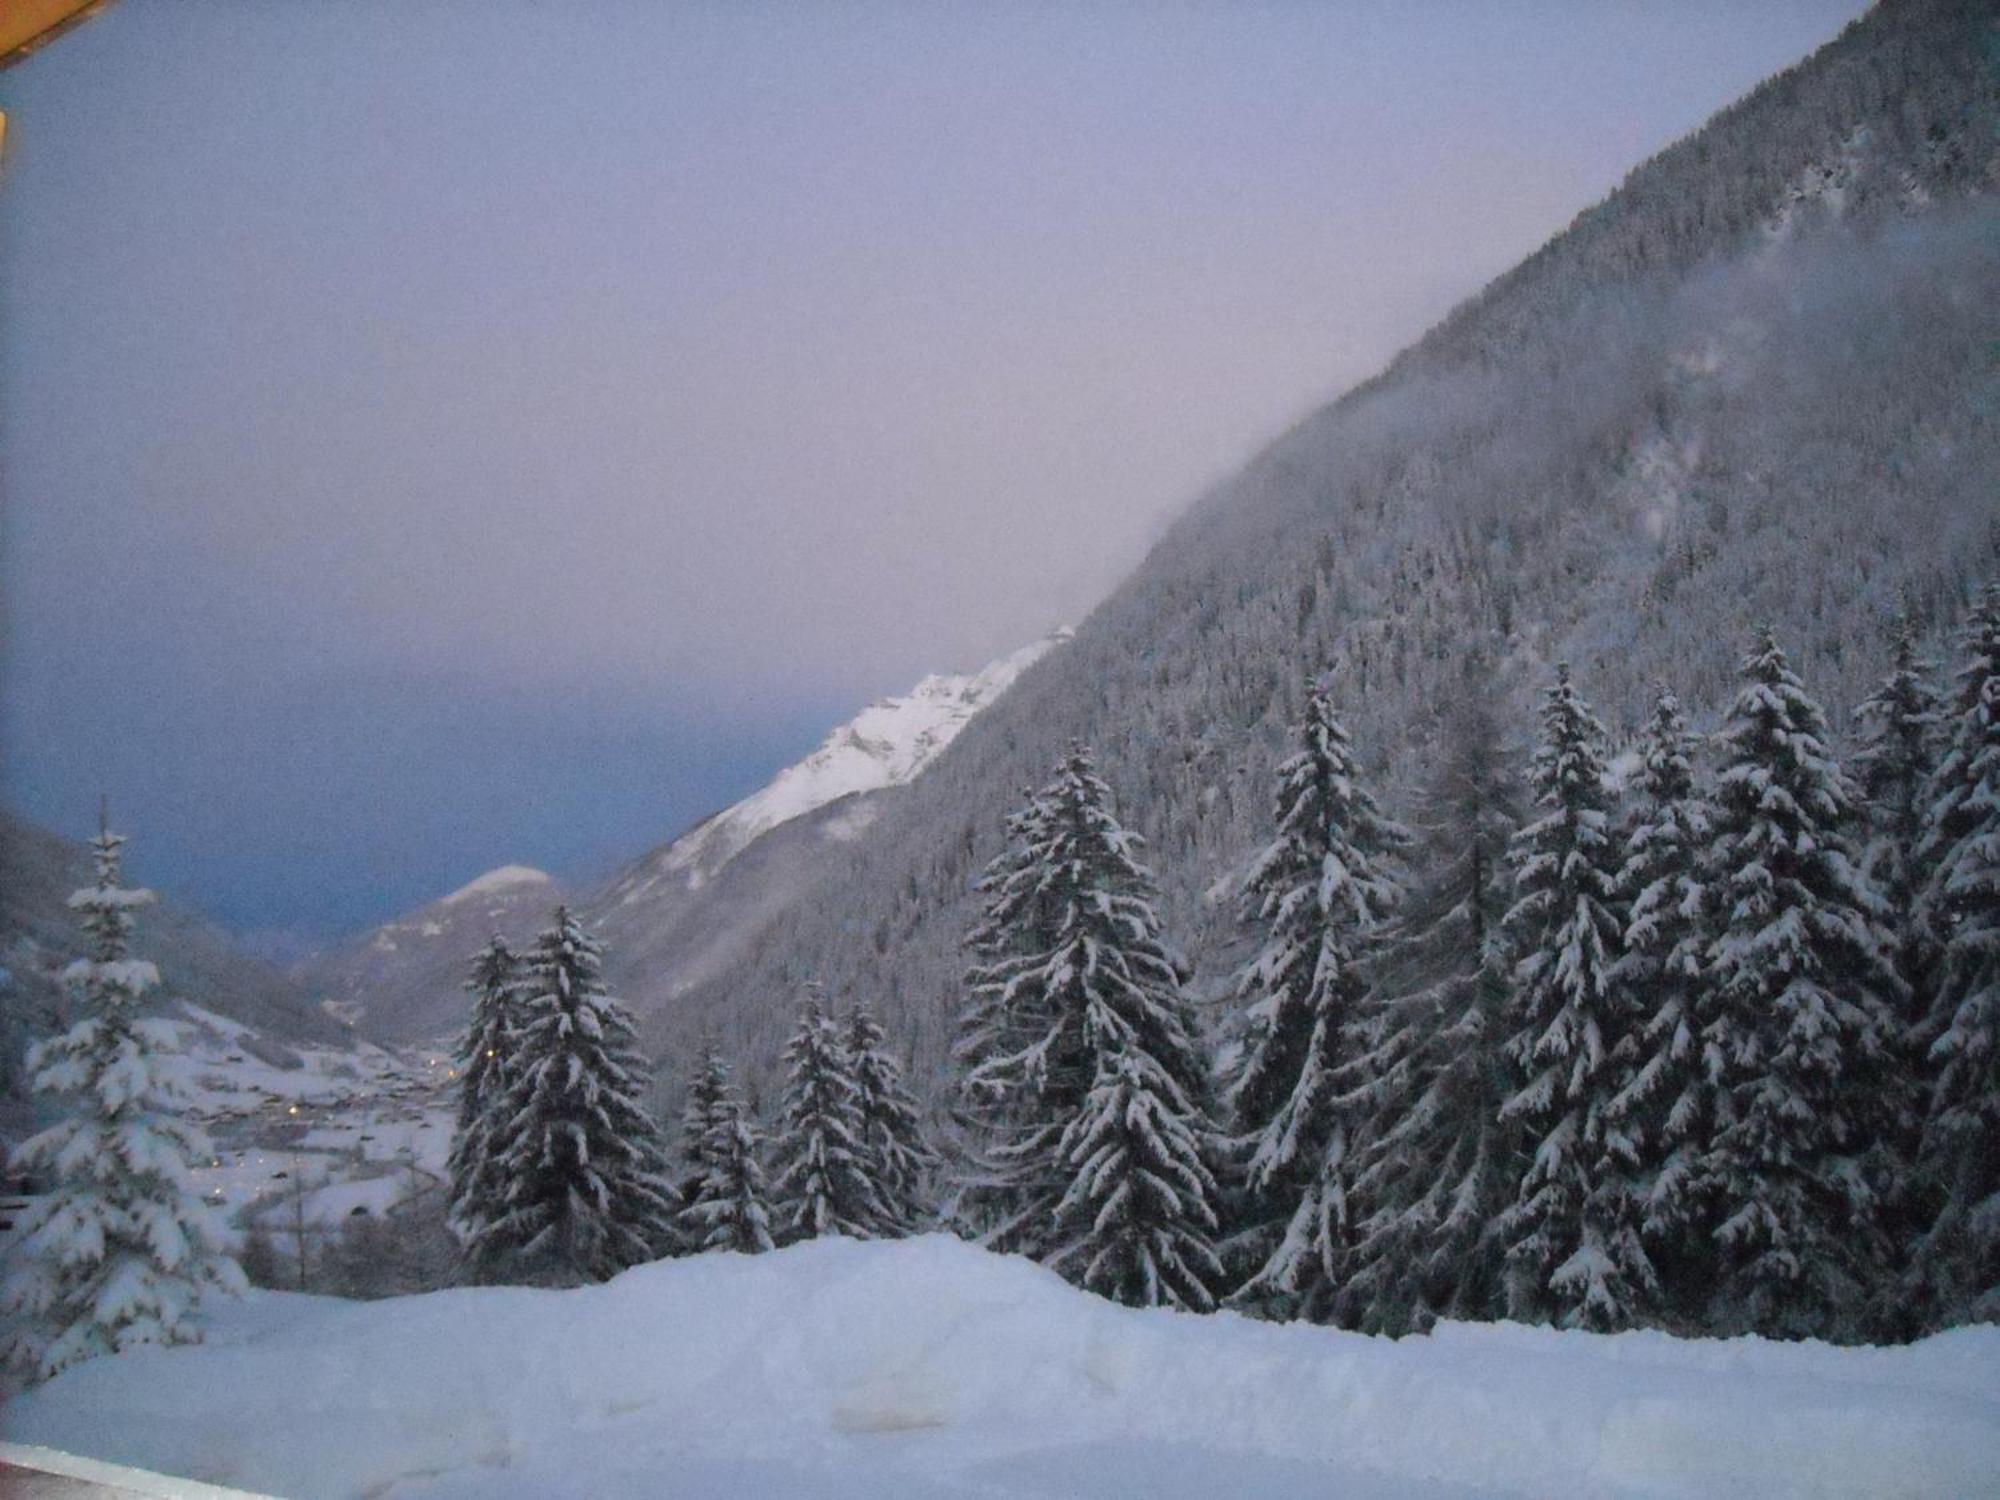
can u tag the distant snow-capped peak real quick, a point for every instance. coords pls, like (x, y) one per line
(887, 743)
(493, 882)
(498, 890)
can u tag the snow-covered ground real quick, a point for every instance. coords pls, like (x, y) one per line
(929, 1368)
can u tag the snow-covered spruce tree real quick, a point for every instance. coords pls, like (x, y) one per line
(1894, 767)
(1020, 1068)
(727, 1203)
(1320, 893)
(895, 1156)
(1958, 1259)
(822, 1180)
(476, 1192)
(1438, 1166)
(702, 1114)
(1574, 1252)
(1135, 1221)
(1800, 989)
(579, 1153)
(117, 1252)
(1667, 1101)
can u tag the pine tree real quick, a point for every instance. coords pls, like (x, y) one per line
(1021, 1068)
(728, 1206)
(1958, 1258)
(703, 1114)
(1574, 1249)
(896, 1159)
(1137, 1211)
(1439, 1166)
(823, 1185)
(477, 1190)
(1135, 1218)
(1667, 1103)
(1796, 1044)
(1894, 765)
(586, 1191)
(1894, 768)
(1320, 892)
(118, 1253)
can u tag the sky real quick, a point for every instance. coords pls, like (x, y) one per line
(443, 433)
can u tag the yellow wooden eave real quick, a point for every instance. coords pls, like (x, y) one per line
(28, 24)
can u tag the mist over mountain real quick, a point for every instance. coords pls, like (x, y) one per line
(1756, 384)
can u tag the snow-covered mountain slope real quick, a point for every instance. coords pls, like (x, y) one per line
(404, 980)
(1665, 427)
(886, 744)
(502, 884)
(929, 1368)
(350, 1126)
(683, 912)
(197, 963)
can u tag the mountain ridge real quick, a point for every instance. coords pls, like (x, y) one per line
(1722, 396)
(679, 909)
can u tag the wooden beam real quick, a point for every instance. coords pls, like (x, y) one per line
(28, 24)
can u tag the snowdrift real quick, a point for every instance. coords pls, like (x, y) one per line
(929, 1368)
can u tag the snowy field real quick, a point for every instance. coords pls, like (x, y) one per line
(357, 1127)
(929, 1368)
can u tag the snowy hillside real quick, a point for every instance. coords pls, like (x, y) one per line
(414, 967)
(39, 936)
(684, 912)
(929, 1368)
(886, 744)
(197, 961)
(507, 880)
(354, 1127)
(1668, 426)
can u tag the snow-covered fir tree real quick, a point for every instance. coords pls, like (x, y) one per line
(577, 1149)
(476, 1192)
(1319, 893)
(1893, 767)
(1800, 989)
(1020, 1067)
(727, 1202)
(1439, 1167)
(1667, 1101)
(896, 1158)
(1135, 1218)
(1574, 1251)
(1958, 1258)
(118, 1251)
(702, 1112)
(822, 1184)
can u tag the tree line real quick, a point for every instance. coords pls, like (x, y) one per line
(1714, 1050)
(1703, 1041)
(559, 1172)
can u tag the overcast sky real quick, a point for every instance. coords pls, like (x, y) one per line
(439, 434)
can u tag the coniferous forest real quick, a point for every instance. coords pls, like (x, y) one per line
(1698, 1035)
